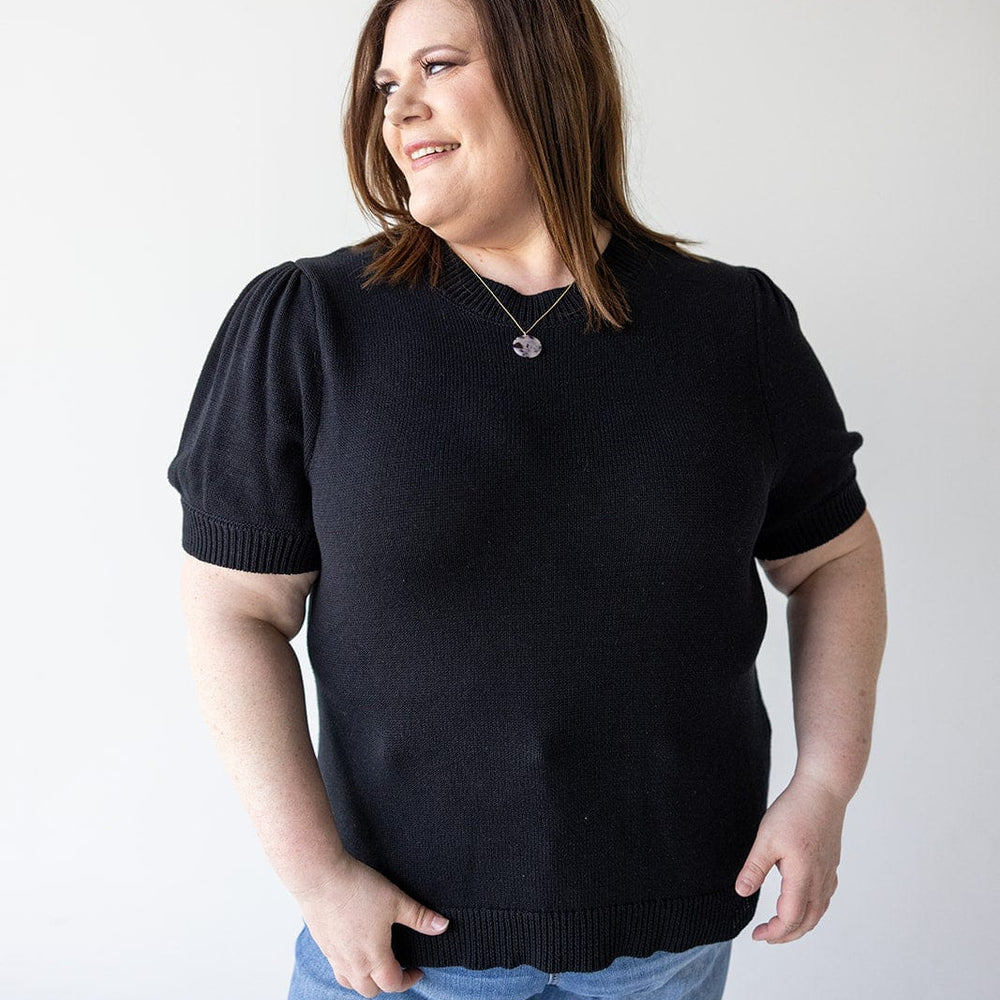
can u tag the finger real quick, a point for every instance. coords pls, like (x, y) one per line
(817, 906)
(367, 988)
(410, 978)
(791, 909)
(362, 985)
(779, 931)
(768, 930)
(421, 918)
(793, 901)
(811, 918)
(773, 932)
(390, 977)
(387, 975)
(754, 870)
(831, 886)
(360, 982)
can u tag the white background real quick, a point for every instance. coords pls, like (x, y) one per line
(159, 155)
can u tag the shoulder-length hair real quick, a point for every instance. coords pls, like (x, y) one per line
(553, 66)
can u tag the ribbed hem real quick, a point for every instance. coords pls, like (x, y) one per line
(240, 546)
(574, 940)
(816, 526)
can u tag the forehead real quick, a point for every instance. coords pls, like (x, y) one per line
(416, 24)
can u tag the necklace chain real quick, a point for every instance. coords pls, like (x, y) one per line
(507, 311)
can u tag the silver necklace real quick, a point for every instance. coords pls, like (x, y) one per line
(526, 346)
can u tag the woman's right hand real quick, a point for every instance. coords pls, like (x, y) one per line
(350, 917)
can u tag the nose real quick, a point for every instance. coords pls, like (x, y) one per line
(403, 105)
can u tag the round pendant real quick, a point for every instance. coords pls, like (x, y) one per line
(527, 346)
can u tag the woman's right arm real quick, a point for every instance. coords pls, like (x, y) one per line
(249, 686)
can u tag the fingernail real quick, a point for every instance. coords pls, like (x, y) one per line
(439, 923)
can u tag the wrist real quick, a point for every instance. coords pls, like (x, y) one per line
(322, 880)
(832, 786)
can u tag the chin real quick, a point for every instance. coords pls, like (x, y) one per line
(428, 215)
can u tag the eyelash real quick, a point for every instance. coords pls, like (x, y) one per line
(426, 64)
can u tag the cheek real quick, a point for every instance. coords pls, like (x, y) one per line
(499, 134)
(389, 140)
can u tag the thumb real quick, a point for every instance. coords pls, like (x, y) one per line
(420, 918)
(754, 871)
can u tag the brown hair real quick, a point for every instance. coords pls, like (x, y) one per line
(554, 68)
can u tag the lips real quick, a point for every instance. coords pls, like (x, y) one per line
(420, 146)
(426, 142)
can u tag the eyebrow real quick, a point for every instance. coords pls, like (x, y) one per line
(417, 56)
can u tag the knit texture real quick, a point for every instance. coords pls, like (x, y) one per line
(537, 615)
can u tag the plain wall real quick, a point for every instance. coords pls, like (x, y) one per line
(159, 155)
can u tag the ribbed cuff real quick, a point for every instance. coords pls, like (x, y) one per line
(816, 526)
(240, 546)
(574, 940)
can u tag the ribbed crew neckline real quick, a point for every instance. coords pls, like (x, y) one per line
(462, 285)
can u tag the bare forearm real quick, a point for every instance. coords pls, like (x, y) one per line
(837, 629)
(249, 686)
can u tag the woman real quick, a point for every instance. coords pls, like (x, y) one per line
(521, 453)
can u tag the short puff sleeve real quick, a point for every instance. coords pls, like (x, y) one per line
(814, 494)
(242, 464)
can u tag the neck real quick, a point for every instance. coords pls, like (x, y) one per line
(529, 265)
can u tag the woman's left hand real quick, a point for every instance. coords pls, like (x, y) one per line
(801, 833)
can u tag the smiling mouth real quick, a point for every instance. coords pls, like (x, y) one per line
(421, 154)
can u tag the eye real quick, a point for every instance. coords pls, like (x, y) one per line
(384, 87)
(427, 65)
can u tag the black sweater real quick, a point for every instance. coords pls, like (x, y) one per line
(536, 621)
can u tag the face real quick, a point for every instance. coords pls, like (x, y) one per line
(439, 91)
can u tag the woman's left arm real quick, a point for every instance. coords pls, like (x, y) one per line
(836, 630)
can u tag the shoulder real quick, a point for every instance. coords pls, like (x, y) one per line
(338, 282)
(273, 306)
(692, 265)
(704, 282)
(339, 268)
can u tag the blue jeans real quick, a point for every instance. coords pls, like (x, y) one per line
(696, 974)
